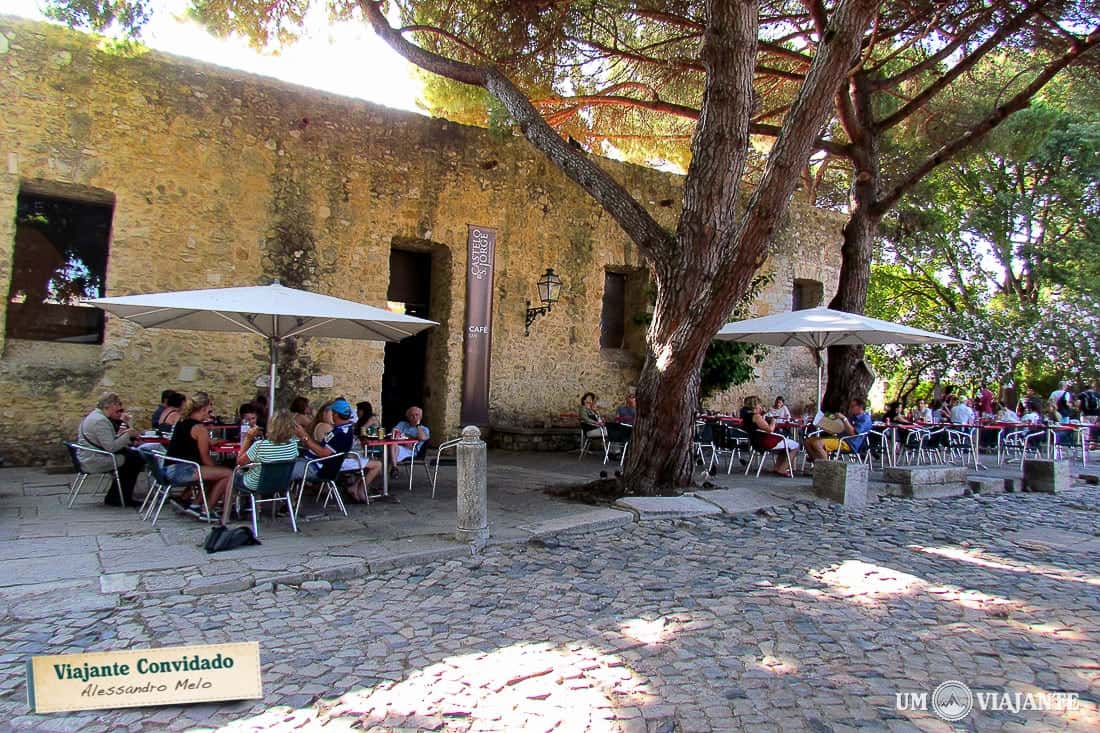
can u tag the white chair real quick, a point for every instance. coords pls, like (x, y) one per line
(82, 476)
(161, 484)
(433, 473)
(763, 455)
(323, 472)
(587, 441)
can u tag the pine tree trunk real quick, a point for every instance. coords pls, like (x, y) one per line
(848, 374)
(659, 461)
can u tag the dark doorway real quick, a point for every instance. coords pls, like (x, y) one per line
(403, 368)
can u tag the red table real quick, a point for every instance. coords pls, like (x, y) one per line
(385, 445)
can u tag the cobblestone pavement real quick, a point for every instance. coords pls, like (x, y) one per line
(805, 617)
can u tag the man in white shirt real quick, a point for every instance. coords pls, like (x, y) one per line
(962, 413)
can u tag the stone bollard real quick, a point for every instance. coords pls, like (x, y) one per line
(842, 482)
(1046, 476)
(473, 510)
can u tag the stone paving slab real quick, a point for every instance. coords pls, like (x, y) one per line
(46, 547)
(592, 520)
(1059, 539)
(667, 507)
(738, 501)
(37, 570)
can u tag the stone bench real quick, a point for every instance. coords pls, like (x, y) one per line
(927, 482)
(842, 482)
(509, 437)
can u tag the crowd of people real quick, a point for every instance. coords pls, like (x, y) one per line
(300, 433)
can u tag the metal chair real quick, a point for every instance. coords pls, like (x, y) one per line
(82, 476)
(587, 441)
(420, 452)
(702, 441)
(433, 475)
(617, 434)
(326, 472)
(275, 485)
(915, 444)
(729, 440)
(161, 484)
(754, 453)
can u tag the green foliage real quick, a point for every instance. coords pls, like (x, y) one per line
(1001, 249)
(729, 363)
(125, 16)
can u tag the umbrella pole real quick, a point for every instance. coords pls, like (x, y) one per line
(271, 381)
(817, 358)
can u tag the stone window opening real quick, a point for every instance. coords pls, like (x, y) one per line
(807, 294)
(62, 240)
(613, 312)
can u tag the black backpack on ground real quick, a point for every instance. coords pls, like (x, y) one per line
(223, 538)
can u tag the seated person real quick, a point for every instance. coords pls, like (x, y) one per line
(1001, 413)
(411, 427)
(99, 430)
(622, 429)
(191, 441)
(962, 413)
(339, 438)
(855, 422)
(895, 413)
(279, 445)
(299, 410)
(365, 417)
(922, 413)
(763, 437)
(626, 413)
(164, 395)
(259, 402)
(171, 413)
(246, 415)
(1031, 412)
(590, 419)
(321, 424)
(779, 410)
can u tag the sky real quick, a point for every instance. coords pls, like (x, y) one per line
(346, 58)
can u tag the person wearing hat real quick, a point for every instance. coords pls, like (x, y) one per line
(337, 440)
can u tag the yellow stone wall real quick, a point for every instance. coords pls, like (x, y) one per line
(221, 178)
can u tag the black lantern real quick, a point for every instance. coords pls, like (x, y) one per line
(549, 291)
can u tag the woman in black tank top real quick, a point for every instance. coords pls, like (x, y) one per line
(191, 441)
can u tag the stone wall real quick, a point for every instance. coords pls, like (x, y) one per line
(220, 178)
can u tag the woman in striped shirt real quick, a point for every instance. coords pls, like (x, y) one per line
(279, 445)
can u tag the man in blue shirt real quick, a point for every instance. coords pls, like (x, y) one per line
(856, 422)
(411, 427)
(337, 440)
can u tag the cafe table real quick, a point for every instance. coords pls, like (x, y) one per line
(385, 444)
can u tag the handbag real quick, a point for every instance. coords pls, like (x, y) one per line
(833, 425)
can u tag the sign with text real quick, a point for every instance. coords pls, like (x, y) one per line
(135, 678)
(481, 251)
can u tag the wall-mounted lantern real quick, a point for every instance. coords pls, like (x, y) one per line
(549, 291)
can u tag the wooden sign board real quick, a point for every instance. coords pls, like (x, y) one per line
(136, 678)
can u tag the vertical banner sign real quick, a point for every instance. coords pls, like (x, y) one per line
(481, 251)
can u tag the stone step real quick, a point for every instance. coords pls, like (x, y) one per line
(935, 491)
(924, 475)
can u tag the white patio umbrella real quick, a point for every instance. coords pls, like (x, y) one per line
(273, 311)
(820, 328)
